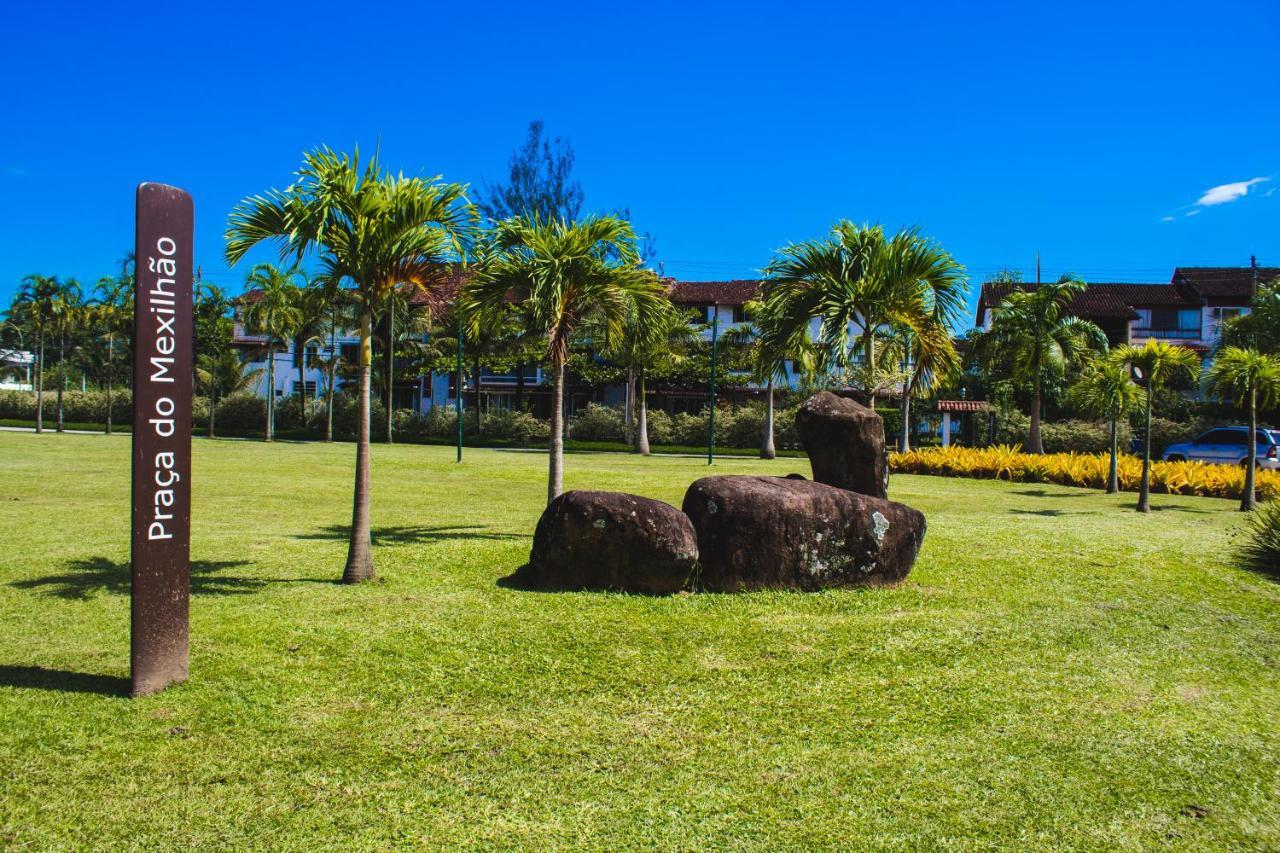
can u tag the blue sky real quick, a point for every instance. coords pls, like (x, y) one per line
(1092, 133)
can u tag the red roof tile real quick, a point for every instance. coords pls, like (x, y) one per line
(1223, 282)
(737, 292)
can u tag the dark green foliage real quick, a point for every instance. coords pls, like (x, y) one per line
(1261, 551)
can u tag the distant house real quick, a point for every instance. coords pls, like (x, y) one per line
(1189, 310)
(15, 369)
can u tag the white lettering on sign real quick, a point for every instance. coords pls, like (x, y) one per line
(162, 302)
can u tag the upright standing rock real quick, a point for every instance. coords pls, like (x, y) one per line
(845, 443)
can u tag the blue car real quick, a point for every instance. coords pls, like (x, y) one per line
(1228, 446)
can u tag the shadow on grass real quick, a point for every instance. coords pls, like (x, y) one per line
(1045, 493)
(524, 579)
(89, 576)
(43, 678)
(1048, 513)
(411, 535)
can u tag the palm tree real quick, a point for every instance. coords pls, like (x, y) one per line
(67, 315)
(654, 332)
(769, 356)
(337, 304)
(113, 315)
(1154, 365)
(1107, 391)
(861, 279)
(375, 231)
(1247, 377)
(1033, 333)
(313, 313)
(561, 275)
(929, 358)
(222, 374)
(271, 310)
(33, 306)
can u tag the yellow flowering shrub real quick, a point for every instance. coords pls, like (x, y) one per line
(1008, 462)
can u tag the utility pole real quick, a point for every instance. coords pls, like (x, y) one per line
(711, 424)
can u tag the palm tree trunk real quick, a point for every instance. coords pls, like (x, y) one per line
(1249, 498)
(360, 550)
(331, 369)
(302, 382)
(62, 373)
(904, 431)
(629, 404)
(213, 411)
(869, 342)
(1144, 488)
(271, 389)
(1034, 443)
(110, 359)
(642, 419)
(555, 478)
(40, 383)
(519, 386)
(475, 380)
(1113, 473)
(391, 369)
(767, 450)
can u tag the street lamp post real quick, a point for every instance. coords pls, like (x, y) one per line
(711, 424)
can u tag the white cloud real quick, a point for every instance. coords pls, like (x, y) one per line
(1193, 212)
(1228, 192)
(1166, 218)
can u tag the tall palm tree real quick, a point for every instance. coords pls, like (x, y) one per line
(375, 231)
(1106, 390)
(33, 307)
(113, 315)
(222, 374)
(1247, 377)
(313, 312)
(561, 275)
(860, 279)
(67, 315)
(929, 358)
(337, 304)
(271, 310)
(1033, 333)
(770, 356)
(1155, 364)
(654, 332)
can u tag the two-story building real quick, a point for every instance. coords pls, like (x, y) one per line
(1190, 310)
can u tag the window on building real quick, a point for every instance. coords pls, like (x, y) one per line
(308, 388)
(350, 353)
(739, 313)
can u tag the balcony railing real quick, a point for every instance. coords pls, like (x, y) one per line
(1190, 333)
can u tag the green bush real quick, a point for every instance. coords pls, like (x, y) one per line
(598, 423)
(1261, 551)
(242, 413)
(1083, 436)
(81, 407)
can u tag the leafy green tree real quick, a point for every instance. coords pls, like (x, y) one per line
(371, 229)
(338, 315)
(928, 359)
(653, 333)
(561, 275)
(32, 308)
(1033, 334)
(861, 279)
(270, 309)
(769, 357)
(220, 375)
(1260, 328)
(112, 309)
(67, 315)
(1247, 378)
(1154, 365)
(539, 182)
(1106, 390)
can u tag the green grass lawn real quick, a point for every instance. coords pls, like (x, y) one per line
(1058, 671)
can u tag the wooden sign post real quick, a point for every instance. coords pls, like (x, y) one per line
(162, 353)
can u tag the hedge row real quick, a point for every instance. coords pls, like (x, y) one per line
(1005, 462)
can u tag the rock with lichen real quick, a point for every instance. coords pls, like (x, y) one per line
(780, 533)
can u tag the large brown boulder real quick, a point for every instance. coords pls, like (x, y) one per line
(610, 541)
(779, 533)
(845, 443)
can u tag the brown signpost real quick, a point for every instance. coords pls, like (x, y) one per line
(162, 353)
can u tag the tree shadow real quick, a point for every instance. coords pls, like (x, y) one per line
(1045, 493)
(1047, 513)
(1176, 508)
(412, 535)
(92, 575)
(43, 678)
